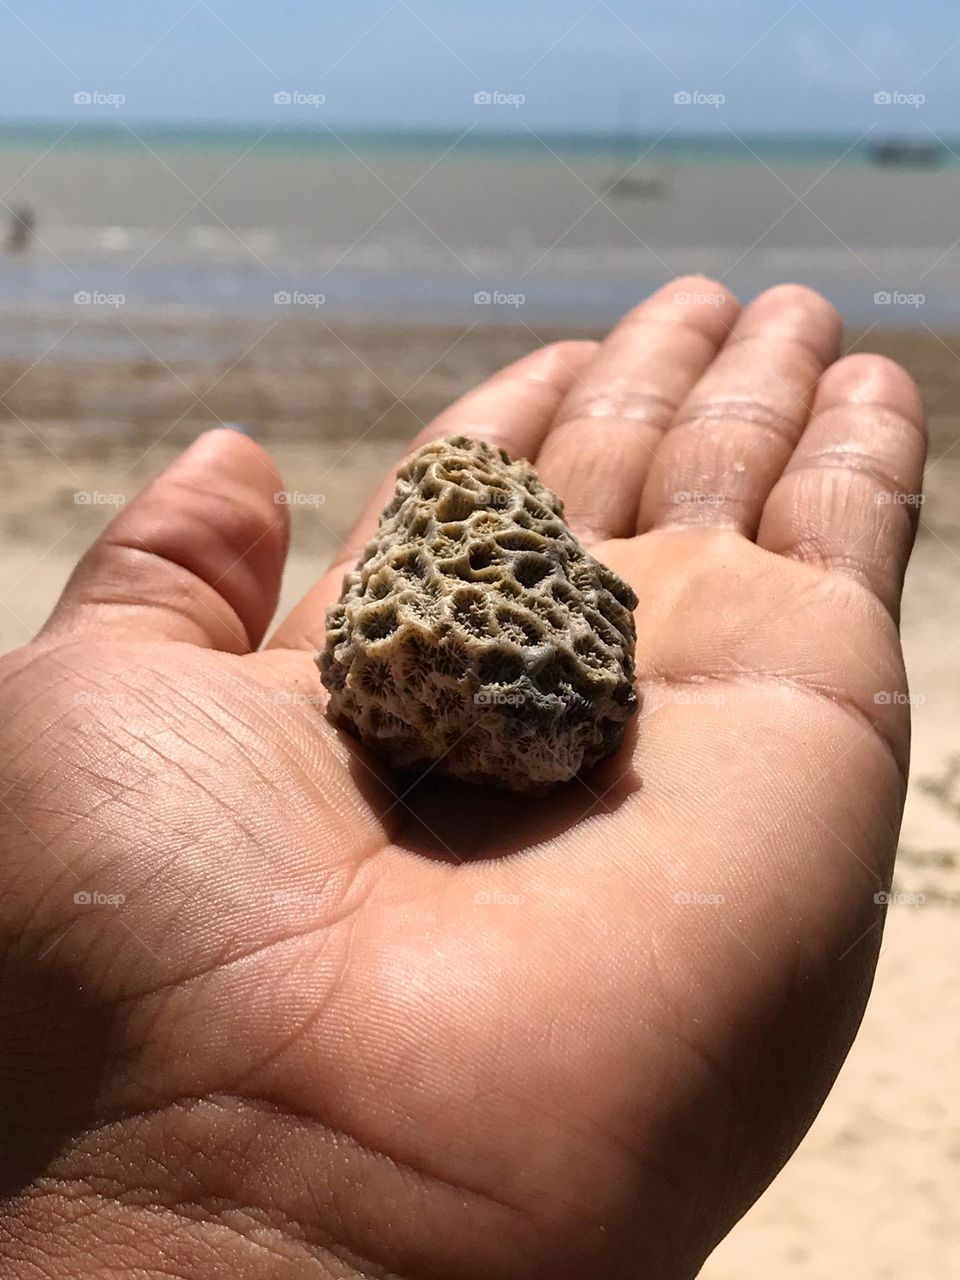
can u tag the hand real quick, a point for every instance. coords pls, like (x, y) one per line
(339, 1025)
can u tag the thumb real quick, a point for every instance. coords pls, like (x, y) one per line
(197, 556)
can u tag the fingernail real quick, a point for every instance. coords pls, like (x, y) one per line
(239, 427)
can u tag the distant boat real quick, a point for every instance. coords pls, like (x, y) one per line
(628, 178)
(644, 186)
(906, 153)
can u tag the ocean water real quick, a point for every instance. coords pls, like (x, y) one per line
(465, 227)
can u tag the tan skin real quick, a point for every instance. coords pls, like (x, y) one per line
(344, 1026)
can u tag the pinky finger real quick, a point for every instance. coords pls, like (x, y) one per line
(849, 497)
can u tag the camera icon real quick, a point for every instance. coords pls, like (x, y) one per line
(83, 897)
(83, 98)
(483, 98)
(283, 98)
(883, 698)
(883, 298)
(683, 98)
(282, 299)
(82, 299)
(482, 299)
(882, 899)
(883, 98)
(82, 498)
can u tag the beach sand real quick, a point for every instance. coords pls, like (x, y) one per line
(871, 1193)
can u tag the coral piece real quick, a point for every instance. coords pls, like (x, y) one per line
(476, 635)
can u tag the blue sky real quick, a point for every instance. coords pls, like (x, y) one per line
(779, 66)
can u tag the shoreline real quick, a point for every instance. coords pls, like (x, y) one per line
(128, 376)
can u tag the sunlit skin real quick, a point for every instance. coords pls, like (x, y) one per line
(342, 1024)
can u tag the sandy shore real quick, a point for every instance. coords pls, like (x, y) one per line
(870, 1194)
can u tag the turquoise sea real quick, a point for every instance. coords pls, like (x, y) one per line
(722, 146)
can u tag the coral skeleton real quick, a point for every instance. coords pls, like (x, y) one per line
(477, 637)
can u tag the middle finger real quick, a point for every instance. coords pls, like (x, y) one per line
(735, 432)
(606, 432)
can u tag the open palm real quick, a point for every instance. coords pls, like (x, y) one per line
(274, 1011)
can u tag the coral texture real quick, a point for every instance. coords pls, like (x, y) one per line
(476, 635)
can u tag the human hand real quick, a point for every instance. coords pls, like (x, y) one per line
(344, 1025)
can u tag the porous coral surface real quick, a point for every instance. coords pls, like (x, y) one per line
(476, 636)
